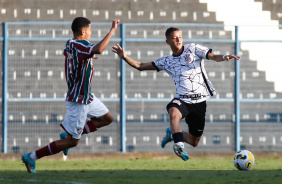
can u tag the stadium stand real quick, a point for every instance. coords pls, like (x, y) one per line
(42, 73)
(274, 7)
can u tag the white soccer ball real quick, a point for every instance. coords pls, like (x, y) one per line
(244, 160)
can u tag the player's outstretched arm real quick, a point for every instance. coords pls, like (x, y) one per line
(219, 58)
(101, 46)
(133, 63)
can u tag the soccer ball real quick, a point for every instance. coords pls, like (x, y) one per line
(244, 160)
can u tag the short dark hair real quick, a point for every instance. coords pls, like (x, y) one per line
(170, 30)
(78, 23)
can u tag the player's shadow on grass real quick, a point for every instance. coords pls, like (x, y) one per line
(142, 176)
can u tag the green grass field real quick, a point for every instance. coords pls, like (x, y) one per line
(142, 170)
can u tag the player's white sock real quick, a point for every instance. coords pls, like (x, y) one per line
(33, 156)
(181, 144)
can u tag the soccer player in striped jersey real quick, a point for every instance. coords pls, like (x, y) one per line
(186, 67)
(85, 112)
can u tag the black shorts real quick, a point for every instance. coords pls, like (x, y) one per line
(194, 115)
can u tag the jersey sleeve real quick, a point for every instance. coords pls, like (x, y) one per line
(160, 63)
(202, 51)
(84, 48)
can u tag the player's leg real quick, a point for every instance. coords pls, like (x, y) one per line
(68, 142)
(175, 116)
(195, 130)
(55, 147)
(98, 116)
(176, 110)
(196, 123)
(190, 139)
(73, 124)
(94, 122)
(64, 135)
(177, 134)
(91, 125)
(173, 108)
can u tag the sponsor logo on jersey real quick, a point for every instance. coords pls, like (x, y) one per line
(176, 102)
(192, 96)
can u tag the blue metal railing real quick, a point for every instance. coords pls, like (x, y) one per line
(5, 90)
(237, 93)
(122, 95)
(123, 100)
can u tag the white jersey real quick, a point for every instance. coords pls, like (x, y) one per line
(188, 73)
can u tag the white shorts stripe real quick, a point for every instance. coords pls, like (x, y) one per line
(87, 128)
(50, 149)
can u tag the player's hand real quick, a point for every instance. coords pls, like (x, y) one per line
(115, 23)
(94, 57)
(118, 50)
(228, 57)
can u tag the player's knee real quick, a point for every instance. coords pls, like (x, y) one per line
(174, 115)
(73, 143)
(194, 144)
(193, 141)
(109, 120)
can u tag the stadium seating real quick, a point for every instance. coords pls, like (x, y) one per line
(273, 7)
(36, 68)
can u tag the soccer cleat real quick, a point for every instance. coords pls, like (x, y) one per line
(62, 136)
(167, 137)
(181, 152)
(30, 165)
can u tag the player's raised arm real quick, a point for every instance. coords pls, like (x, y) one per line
(101, 46)
(219, 58)
(133, 63)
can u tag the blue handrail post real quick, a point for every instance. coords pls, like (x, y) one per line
(122, 95)
(5, 89)
(237, 91)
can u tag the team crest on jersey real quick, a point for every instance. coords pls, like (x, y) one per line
(79, 130)
(189, 58)
(176, 102)
(69, 55)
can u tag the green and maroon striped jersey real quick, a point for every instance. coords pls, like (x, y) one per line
(78, 70)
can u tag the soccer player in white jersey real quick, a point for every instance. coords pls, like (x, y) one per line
(81, 104)
(186, 67)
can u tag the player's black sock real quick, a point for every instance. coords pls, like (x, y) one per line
(178, 137)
